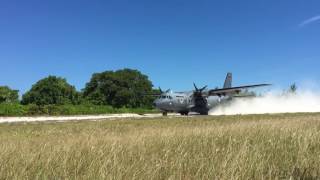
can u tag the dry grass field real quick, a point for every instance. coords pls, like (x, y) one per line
(279, 146)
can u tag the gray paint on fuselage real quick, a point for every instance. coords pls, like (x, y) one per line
(183, 102)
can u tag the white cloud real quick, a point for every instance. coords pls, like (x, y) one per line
(310, 20)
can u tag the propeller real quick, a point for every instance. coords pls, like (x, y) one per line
(197, 90)
(167, 91)
(157, 94)
(198, 96)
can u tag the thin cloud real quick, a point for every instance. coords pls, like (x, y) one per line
(309, 21)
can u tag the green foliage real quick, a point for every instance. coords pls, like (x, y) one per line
(8, 95)
(12, 109)
(293, 88)
(51, 90)
(122, 88)
(9, 109)
(33, 109)
(122, 91)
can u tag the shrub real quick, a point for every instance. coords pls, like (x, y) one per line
(8, 95)
(51, 90)
(9, 109)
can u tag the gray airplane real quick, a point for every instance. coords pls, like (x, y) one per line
(199, 100)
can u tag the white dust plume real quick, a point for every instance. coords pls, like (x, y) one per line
(272, 102)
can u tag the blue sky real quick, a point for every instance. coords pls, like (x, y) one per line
(174, 42)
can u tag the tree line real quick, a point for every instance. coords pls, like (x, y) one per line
(125, 88)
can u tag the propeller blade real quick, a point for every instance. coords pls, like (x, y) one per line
(167, 91)
(195, 87)
(203, 88)
(160, 90)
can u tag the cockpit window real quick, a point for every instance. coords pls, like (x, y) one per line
(165, 97)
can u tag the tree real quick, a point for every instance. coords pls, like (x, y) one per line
(293, 88)
(51, 90)
(122, 88)
(8, 95)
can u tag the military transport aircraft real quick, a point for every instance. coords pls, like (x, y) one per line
(199, 100)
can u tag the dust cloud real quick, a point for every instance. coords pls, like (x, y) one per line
(272, 102)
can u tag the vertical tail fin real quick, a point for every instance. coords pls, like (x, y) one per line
(228, 81)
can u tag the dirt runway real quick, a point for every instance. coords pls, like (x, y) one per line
(80, 117)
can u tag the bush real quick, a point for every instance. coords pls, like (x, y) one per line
(51, 90)
(57, 110)
(33, 109)
(8, 109)
(8, 95)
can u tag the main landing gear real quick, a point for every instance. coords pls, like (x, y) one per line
(185, 113)
(204, 113)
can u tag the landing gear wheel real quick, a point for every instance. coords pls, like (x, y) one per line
(164, 113)
(184, 113)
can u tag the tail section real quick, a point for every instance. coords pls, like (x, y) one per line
(228, 81)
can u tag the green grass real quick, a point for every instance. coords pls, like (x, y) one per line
(56, 110)
(12, 109)
(223, 147)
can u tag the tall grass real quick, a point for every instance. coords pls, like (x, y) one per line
(223, 147)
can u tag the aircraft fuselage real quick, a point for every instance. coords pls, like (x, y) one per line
(184, 103)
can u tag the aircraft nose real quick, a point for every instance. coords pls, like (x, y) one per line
(155, 103)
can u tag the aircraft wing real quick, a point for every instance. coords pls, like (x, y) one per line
(232, 90)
